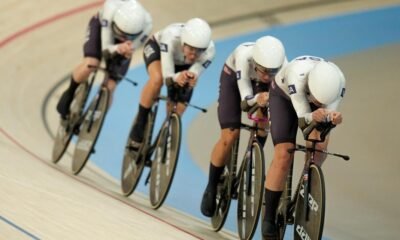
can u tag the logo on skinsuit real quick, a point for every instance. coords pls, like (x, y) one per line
(206, 64)
(292, 89)
(238, 75)
(104, 23)
(163, 47)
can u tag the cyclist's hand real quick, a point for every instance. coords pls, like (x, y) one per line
(262, 99)
(335, 117)
(125, 49)
(182, 79)
(191, 79)
(319, 115)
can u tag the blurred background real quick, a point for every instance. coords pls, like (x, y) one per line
(41, 42)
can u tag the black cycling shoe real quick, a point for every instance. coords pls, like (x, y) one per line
(208, 203)
(269, 231)
(64, 103)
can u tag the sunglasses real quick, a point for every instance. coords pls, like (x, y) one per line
(266, 71)
(197, 51)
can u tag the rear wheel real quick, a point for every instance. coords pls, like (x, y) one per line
(134, 162)
(90, 130)
(66, 128)
(163, 166)
(250, 194)
(309, 223)
(224, 190)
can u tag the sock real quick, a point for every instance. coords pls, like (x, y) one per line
(271, 204)
(213, 177)
(73, 85)
(138, 130)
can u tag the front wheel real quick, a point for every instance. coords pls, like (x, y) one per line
(250, 193)
(134, 162)
(66, 128)
(309, 223)
(166, 155)
(225, 189)
(90, 130)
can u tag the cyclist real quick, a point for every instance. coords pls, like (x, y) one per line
(114, 33)
(179, 53)
(244, 82)
(307, 89)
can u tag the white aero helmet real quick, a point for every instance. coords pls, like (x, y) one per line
(129, 20)
(196, 33)
(269, 53)
(325, 82)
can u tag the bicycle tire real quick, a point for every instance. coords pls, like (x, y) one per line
(313, 228)
(166, 155)
(90, 130)
(64, 136)
(250, 195)
(224, 190)
(132, 167)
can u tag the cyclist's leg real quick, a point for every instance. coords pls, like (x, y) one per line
(79, 75)
(283, 130)
(259, 87)
(112, 82)
(229, 116)
(150, 91)
(92, 56)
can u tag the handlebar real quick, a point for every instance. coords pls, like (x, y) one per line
(313, 149)
(170, 83)
(323, 127)
(118, 75)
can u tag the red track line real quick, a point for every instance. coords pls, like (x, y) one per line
(36, 26)
(47, 21)
(16, 142)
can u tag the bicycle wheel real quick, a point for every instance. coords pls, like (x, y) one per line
(224, 190)
(90, 129)
(165, 160)
(133, 163)
(65, 131)
(311, 226)
(251, 189)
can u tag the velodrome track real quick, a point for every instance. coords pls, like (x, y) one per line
(40, 42)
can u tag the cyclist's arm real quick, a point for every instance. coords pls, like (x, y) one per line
(141, 39)
(106, 16)
(167, 57)
(297, 93)
(204, 60)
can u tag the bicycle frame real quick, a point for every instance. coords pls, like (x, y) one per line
(287, 207)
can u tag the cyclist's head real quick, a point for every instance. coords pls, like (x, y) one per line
(325, 82)
(196, 33)
(269, 55)
(128, 21)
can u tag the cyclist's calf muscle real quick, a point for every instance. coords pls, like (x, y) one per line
(81, 72)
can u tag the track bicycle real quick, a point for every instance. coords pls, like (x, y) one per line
(245, 185)
(160, 155)
(306, 208)
(93, 119)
